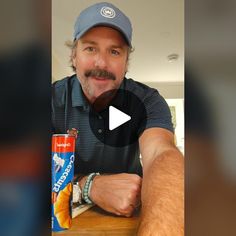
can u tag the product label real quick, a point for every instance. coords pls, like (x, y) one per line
(62, 177)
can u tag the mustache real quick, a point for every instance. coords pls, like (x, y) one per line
(100, 73)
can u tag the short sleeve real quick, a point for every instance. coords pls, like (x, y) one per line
(157, 112)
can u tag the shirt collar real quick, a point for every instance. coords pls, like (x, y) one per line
(77, 95)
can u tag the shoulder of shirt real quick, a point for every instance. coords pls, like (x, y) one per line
(63, 82)
(59, 90)
(140, 89)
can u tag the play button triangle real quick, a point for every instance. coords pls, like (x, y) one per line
(117, 118)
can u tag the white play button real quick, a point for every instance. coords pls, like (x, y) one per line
(117, 118)
(116, 122)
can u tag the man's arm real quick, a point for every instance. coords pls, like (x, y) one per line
(163, 184)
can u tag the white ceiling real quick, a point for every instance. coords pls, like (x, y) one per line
(158, 30)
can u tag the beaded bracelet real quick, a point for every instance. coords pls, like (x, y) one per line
(87, 187)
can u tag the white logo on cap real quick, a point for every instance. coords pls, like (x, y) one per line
(108, 12)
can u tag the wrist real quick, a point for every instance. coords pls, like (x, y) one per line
(94, 189)
(82, 182)
(77, 189)
(87, 186)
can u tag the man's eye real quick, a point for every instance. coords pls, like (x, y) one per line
(90, 49)
(115, 52)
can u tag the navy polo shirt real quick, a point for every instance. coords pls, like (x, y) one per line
(70, 109)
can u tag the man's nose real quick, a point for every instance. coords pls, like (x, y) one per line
(101, 61)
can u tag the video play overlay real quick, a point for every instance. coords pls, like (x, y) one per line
(117, 117)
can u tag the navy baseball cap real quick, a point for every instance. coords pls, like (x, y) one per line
(103, 14)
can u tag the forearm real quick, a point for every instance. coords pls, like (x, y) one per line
(163, 195)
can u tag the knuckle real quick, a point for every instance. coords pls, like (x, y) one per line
(129, 214)
(131, 195)
(127, 211)
(137, 179)
(123, 208)
(135, 189)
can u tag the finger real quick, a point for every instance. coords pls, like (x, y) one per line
(130, 210)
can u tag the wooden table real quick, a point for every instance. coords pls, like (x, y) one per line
(97, 222)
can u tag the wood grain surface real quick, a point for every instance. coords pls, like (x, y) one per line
(97, 222)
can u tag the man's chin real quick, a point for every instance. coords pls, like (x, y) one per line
(99, 91)
(99, 94)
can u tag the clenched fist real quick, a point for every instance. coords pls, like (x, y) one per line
(118, 193)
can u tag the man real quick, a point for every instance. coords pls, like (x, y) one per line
(100, 54)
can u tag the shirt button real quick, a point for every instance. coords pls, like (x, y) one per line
(99, 117)
(99, 131)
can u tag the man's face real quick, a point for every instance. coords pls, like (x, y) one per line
(100, 60)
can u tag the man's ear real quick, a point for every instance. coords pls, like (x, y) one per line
(73, 58)
(126, 66)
